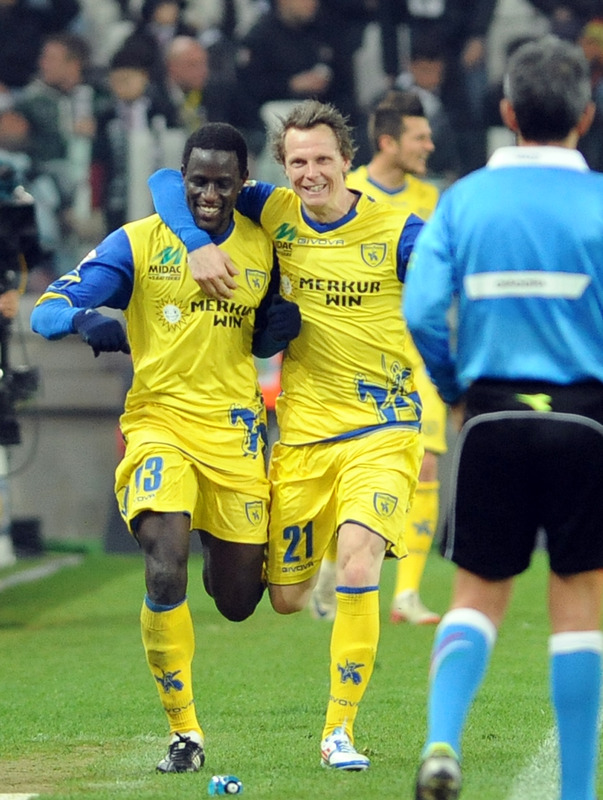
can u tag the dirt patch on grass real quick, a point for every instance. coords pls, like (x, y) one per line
(47, 772)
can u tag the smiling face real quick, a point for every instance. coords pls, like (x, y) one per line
(411, 151)
(212, 182)
(316, 171)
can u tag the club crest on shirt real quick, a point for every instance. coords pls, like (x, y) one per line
(256, 279)
(254, 511)
(373, 254)
(385, 504)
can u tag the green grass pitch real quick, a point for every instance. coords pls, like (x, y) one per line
(80, 716)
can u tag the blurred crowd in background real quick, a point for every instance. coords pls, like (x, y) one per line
(95, 95)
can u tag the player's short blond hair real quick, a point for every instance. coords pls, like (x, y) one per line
(307, 115)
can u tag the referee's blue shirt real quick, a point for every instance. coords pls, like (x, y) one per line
(506, 278)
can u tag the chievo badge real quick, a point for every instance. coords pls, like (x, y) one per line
(385, 504)
(373, 255)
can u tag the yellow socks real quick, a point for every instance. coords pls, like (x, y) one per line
(421, 525)
(354, 640)
(169, 642)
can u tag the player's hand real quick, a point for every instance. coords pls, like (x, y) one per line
(214, 271)
(9, 303)
(103, 334)
(284, 319)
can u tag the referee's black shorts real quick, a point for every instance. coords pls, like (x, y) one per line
(529, 457)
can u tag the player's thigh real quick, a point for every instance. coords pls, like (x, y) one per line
(378, 476)
(302, 510)
(233, 575)
(233, 507)
(155, 478)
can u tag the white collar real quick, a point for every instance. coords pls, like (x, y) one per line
(537, 156)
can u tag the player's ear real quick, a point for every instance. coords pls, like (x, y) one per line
(507, 113)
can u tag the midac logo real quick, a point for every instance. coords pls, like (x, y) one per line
(170, 255)
(167, 263)
(286, 231)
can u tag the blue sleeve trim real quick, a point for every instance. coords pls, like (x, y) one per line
(410, 231)
(252, 199)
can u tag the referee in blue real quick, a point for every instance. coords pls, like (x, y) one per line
(516, 249)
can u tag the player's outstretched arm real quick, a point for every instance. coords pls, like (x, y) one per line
(211, 268)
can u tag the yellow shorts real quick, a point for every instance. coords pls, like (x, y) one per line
(163, 478)
(433, 418)
(316, 488)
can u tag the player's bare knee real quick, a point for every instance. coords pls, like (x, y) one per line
(289, 599)
(357, 573)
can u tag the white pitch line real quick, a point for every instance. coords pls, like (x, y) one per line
(17, 796)
(26, 576)
(34, 574)
(538, 780)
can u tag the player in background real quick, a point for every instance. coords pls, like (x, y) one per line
(517, 248)
(194, 421)
(400, 136)
(349, 453)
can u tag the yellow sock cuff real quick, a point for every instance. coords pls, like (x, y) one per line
(358, 601)
(162, 620)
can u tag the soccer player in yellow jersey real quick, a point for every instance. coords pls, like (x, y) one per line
(194, 419)
(350, 450)
(401, 139)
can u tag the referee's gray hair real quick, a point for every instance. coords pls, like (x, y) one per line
(548, 84)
